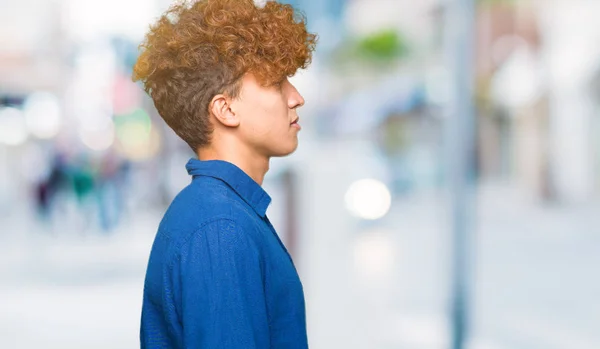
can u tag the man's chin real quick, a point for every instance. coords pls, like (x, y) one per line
(284, 152)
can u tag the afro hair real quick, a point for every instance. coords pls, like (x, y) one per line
(202, 48)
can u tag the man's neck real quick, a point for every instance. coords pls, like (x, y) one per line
(253, 165)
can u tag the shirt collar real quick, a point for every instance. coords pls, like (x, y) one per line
(238, 180)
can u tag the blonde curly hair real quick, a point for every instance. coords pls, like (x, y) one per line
(199, 49)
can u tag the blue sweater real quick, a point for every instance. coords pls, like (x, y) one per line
(218, 275)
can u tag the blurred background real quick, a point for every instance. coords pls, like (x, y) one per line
(393, 252)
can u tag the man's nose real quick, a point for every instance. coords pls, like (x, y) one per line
(295, 99)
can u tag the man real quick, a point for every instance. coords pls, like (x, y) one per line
(218, 275)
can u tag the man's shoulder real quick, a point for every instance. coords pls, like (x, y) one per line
(202, 203)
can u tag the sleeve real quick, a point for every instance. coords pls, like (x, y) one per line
(222, 294)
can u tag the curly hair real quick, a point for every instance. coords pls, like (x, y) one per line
(199, 49)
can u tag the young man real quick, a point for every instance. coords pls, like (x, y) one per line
(218, 275)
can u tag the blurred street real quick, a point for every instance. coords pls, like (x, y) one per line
(536, 286)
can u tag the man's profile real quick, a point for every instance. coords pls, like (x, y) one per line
(218, 275)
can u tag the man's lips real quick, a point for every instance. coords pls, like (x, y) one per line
(295, 123)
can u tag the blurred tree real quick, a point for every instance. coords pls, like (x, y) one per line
(381, 48)
(384, 45)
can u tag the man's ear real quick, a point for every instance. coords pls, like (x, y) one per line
(220, 107)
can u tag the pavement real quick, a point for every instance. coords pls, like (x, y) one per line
(381, 285)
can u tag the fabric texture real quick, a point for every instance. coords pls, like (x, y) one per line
(218, 275)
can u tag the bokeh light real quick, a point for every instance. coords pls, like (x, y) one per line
(98, 139)
(43, 115)
(368, 199)
(138, 139)
(13, 130)
(374, 255)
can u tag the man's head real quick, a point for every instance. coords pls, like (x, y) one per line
(221, 67)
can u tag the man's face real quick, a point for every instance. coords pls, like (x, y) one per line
(267, 116)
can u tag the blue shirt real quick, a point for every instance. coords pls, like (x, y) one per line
(218, 275)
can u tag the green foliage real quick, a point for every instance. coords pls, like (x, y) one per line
(383, 45)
